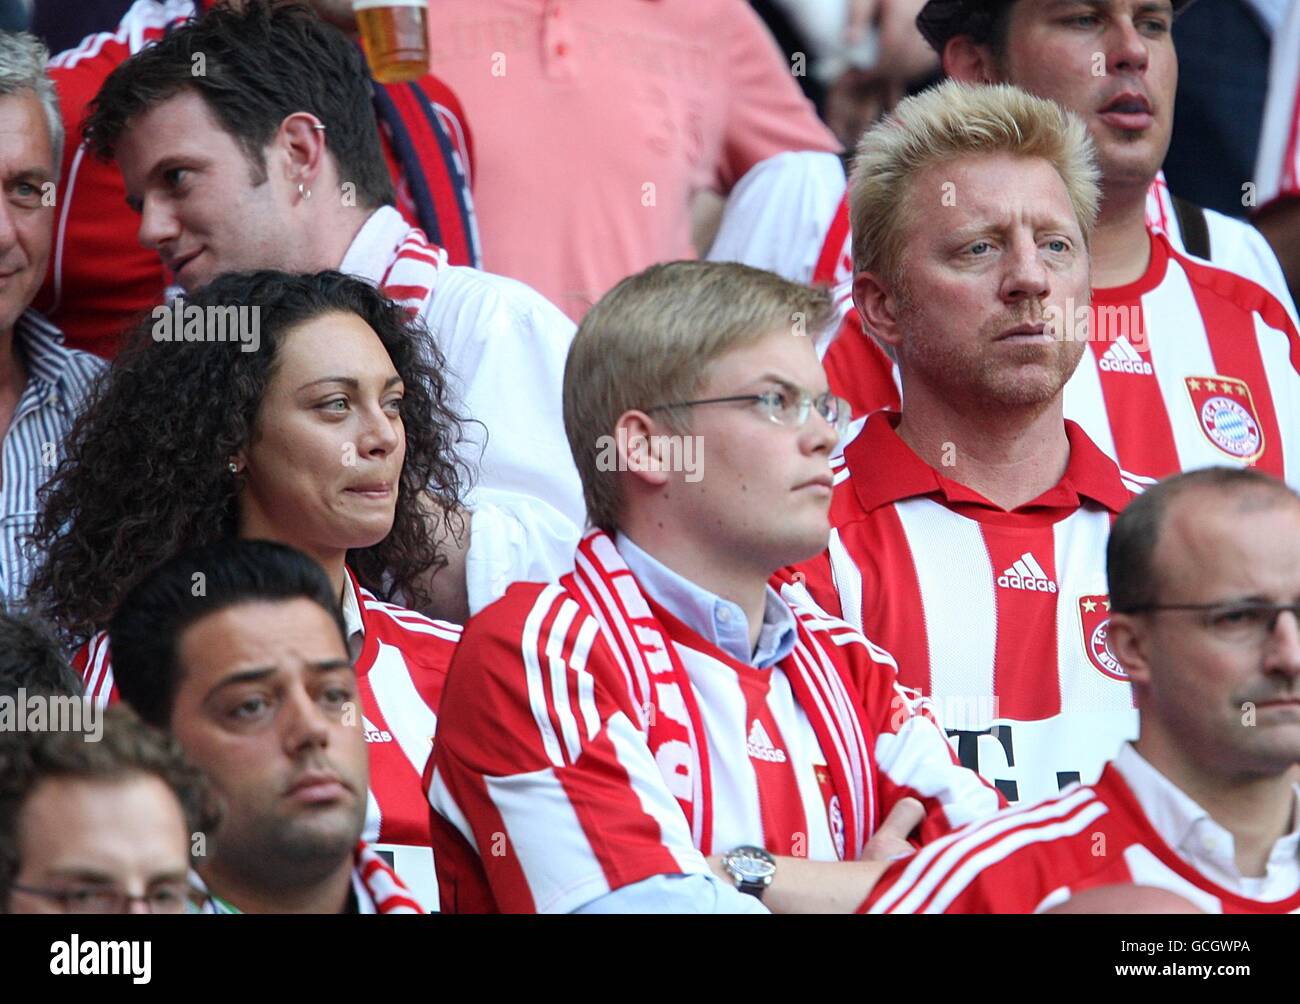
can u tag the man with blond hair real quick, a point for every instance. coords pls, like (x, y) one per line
(970, 527)
(671, 701)
(1194, 354)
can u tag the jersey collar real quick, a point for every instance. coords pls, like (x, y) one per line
(1152, 277)
(363, 643)
(883, 470)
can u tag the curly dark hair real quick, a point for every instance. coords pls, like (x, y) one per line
(145, 475)
(262, 62)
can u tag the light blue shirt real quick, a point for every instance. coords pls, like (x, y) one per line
(723, 624)
(718, 621)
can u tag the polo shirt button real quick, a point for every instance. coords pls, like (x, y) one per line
(724, 614)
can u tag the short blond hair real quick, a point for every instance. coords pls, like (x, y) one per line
(650, 341)
(943, 124)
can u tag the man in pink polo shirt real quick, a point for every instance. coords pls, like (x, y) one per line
(596, 122)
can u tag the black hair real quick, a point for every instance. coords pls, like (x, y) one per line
(144, 635)
(253, 67)
(31, 659)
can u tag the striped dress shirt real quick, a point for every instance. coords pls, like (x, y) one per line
(59, 380)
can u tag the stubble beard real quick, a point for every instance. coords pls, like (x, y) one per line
(983, 373)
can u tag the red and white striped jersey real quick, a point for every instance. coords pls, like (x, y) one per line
(400, 668)
(547, 795)
(1235, 245)
(1277, 165)
(1190, 366)
(998, 617)
(1032, 858)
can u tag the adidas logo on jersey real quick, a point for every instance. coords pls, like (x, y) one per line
(374, 735)
(760, 745)
(1121, 357)
(1027, 574)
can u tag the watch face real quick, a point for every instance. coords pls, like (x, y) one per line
(750, 866)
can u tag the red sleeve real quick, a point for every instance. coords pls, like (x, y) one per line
(1012, 864)
(768, 113)
(541, 769)
(100, 280)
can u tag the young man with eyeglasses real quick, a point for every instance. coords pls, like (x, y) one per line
(1205, 593)
(673, 726)
(970, 528)
(97, 827)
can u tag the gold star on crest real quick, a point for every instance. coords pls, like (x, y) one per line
(1089, 606)
(1107, 602)
(1194, 384)
(1211, 386)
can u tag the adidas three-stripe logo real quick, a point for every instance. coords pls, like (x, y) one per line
(1027, 573)
(760, 745)
(1121, 357)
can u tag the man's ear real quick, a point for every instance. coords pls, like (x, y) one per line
(878, 307)
(967, 61)
(639, 445)
(1129, 640)
(301, 138)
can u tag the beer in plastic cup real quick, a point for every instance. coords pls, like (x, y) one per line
(394, 37)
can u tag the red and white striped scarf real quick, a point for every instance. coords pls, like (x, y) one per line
(375, 885)
(413, 273)
(643, 651)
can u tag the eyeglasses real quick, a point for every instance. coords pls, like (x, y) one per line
(1240, 623)
(785, 407)
(106, 899)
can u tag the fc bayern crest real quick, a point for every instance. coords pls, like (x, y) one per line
(1227, 415)
(1094, 618)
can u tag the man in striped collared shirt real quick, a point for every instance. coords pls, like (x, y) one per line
(42, 383)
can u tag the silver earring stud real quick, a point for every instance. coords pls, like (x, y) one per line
(304, 191)
(232, 467)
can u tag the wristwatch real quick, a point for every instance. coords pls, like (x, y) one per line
(751, 868)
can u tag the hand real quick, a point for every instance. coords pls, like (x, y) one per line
(890, 841)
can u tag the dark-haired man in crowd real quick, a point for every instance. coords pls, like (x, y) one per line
(1204, 573)
(251, 675)
(271, 159)
(31, 659)
(97, 827)
(103, 279)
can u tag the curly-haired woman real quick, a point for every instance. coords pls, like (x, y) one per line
(320, 422)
